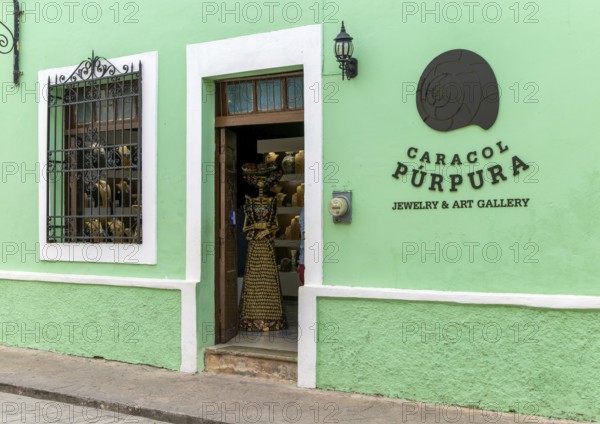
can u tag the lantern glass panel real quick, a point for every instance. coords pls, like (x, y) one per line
(344, 49)
(348, 49)
(340, 49)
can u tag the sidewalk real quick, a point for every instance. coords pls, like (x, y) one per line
(25, 410)
(182, 398)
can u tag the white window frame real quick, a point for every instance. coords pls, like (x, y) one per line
(145, 253)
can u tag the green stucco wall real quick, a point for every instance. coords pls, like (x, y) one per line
(548, 248)
(530, 361)
(151, 25)
(542, 60)
(135, 325)
(547, 117)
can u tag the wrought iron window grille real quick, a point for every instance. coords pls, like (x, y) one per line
(9, 41)
(94, 184)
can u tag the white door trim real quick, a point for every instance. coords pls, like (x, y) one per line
(300, 46)
(291, 47)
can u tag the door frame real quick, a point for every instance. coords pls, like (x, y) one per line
(222, 300)
(265, 53)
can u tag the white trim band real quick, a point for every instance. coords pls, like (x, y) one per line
(97, 280)
(549, 301)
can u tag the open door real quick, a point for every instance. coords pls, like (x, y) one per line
(226, 258)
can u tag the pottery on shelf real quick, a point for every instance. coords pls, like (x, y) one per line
(288, 164)
(280, 198)
(299, 162)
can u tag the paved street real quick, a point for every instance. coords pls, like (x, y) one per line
(162, 395)
(21, 409)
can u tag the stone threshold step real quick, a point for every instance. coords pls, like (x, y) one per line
(275, 365)
(254, 352)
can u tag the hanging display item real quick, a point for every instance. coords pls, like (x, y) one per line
(116, 230)
(102, 194)
(299, 162)
(261, 303)
(123, 195)
(94, 230)
(289, 163)
(280, 198)
(270, 158)
(119, 156)
(286, 265)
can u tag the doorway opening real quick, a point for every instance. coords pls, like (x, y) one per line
(259, 120)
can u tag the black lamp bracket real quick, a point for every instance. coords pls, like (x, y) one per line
(349, 68)
(9, 40)
(352, 68)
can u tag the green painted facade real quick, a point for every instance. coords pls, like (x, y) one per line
(546, 248)
(539, 52)
(529, 361)
(140, 326)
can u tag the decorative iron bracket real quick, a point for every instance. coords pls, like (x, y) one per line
(9, 41)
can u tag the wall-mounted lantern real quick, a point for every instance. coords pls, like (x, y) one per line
(343, 53)
(9, 40)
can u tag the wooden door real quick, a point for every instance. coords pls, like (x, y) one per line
(226, 306)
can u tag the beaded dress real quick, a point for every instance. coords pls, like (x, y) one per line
(261, 305)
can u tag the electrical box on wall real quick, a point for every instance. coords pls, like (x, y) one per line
(340, 207)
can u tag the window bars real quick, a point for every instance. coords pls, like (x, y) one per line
(94, 172)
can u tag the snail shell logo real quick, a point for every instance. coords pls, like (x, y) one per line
(457, 89)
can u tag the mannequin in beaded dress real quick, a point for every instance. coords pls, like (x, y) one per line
(261, 306)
